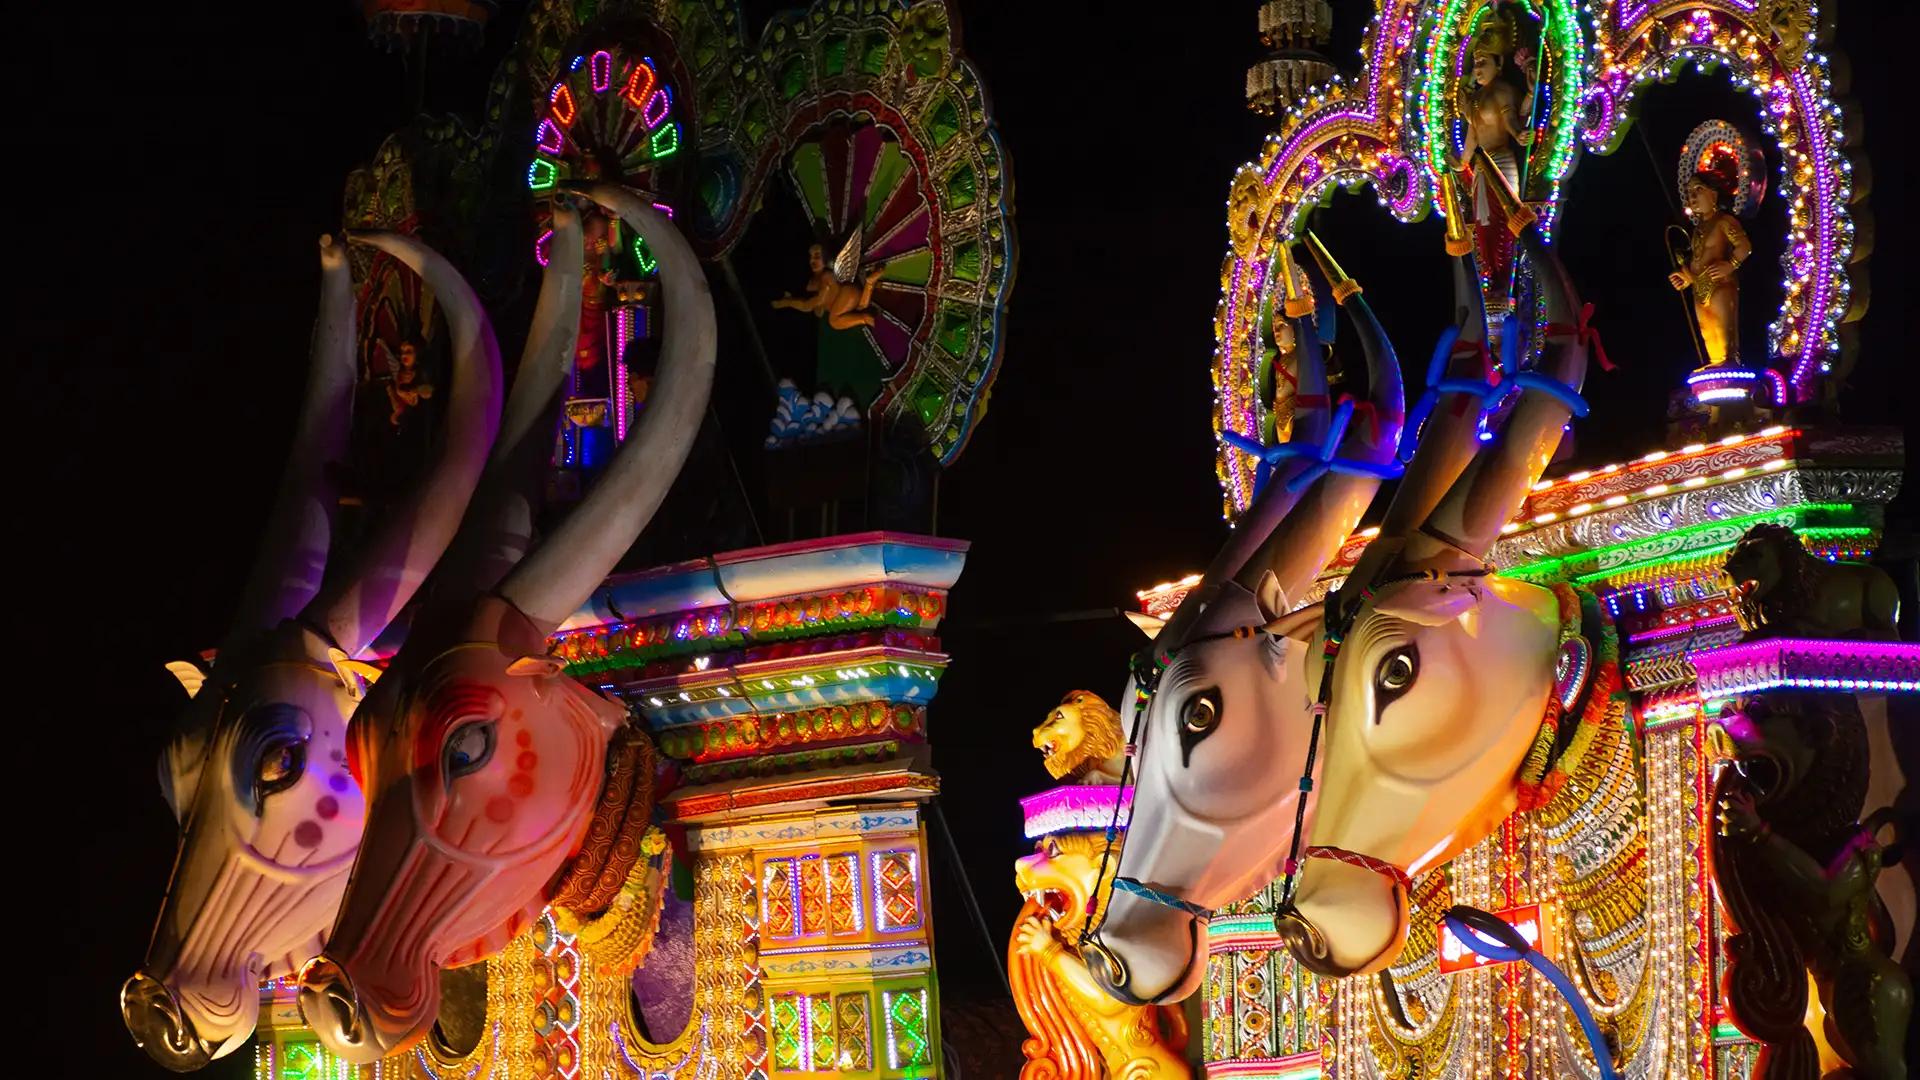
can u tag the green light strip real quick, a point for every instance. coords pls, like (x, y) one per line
(1814, 534)
(1565, 51)
(1557, 563)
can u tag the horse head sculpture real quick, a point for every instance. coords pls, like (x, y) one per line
(1227, 711)
(256, 774)
(1442, 675)
(482, 761)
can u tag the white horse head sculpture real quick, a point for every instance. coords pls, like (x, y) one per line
(1226, 724)
(270, 815)
(1443, 674)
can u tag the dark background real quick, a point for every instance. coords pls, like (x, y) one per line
(174, 165)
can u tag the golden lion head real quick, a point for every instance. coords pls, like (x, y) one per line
(1059, 875)
(1080, 733)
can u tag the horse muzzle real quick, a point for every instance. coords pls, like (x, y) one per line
(339, 1016)
(1109, 967)
(160, 1025)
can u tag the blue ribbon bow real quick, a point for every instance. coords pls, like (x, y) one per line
(1492, 393)
(1322, 456)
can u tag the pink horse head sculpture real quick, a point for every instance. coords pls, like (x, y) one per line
(1226, 724)
(1444, 672)
(482, 761)
(256, 774)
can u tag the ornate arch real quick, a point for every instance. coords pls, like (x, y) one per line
(1390, 128)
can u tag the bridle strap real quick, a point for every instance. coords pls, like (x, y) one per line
(1164, 899)
(1365, 862)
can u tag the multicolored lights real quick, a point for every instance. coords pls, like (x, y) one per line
(1372, 130)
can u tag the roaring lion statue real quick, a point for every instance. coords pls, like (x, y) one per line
(1079, 1032)
(1081, 740)
(1784, 591)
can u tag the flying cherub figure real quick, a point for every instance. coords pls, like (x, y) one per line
(832, 293)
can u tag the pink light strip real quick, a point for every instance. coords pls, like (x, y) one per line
(1075, 806)
(1681, 630)
(1292, 1067)
(1801, 663)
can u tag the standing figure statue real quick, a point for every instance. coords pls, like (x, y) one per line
(832, 292)
(409, 386)
(1494, 104)
(1718, 246)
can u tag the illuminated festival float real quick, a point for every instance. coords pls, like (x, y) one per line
(469, 790)
(1552, 770)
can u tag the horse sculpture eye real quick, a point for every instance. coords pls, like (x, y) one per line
(1397, 671)
(468, 748)
(1200, 713)
(279, 768)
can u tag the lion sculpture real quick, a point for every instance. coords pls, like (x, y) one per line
(1784, 591)
(1077, 1031)
(1080, 740)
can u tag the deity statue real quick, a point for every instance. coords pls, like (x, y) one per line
(1718, 246)
(1494, 103)
(832, 292)
(408, 386)
(598, 239)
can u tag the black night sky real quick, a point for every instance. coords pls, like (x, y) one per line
(183, 160)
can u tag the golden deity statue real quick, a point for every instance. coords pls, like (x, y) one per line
(1718, 246)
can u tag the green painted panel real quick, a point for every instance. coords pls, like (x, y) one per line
(887, 171)
(966, 261)
(961, 188)
(833, 55)
(810, 169)
(913, 269)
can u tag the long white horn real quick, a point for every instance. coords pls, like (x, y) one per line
(498, 528)
(554, 580)
(358, 605)
(293, 548)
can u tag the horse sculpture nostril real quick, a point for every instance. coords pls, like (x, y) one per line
(1109, 971)
(1305, 942)
(329, 1006)
(160, 1026)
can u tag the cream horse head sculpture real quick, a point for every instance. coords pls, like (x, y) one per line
(1226, 723)
(270, 817)
(1443, 673)
(482, 761)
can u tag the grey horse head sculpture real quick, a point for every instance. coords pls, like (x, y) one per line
(269, 819)
(1226, 723)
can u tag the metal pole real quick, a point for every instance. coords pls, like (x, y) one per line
(725, 264)
(1673, 204)
(966, 889)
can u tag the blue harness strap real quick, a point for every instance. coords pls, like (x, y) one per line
(1129, 885)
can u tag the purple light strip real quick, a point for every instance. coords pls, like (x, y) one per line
(1813, 337)
(1075, 806)
(1667, 633)
(1743, 668)
(1630, 11)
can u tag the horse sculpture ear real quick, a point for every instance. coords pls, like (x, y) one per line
(1147, 624)
(190, 674)
(355, 675)
(1298, 625)
(1431, 604)
(529, 666)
